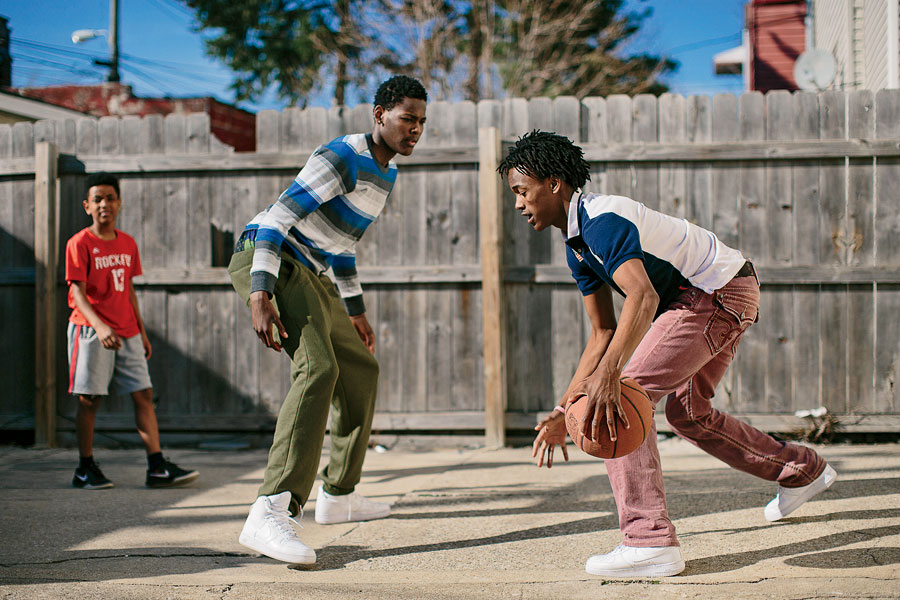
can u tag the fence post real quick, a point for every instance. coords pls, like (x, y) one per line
(46, 234)
(494, 308)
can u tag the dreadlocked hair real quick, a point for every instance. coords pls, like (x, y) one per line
(541, 154)
(392, 92)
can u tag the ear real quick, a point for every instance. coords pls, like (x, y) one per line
(378, 113)
(85, 204)
(555, 184)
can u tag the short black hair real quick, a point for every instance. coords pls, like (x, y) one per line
(392, 92)
(101, 179)
(541, 154)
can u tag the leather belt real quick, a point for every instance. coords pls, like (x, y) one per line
(746, 271)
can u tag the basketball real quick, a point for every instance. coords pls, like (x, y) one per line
(639, 411)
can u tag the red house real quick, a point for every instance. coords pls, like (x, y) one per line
(777, 36)
(231, 125)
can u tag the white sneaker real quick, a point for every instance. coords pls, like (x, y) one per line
(790, 499)
(349, 507)
(270, 530)
(628, 561)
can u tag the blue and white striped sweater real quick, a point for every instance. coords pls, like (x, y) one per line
(322, 215)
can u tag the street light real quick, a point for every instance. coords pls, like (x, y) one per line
(83, 35)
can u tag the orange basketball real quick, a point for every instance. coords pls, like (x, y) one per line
(639, 411)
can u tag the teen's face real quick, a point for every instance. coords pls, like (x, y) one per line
(402, 126)
(102, 204)
(538, 200)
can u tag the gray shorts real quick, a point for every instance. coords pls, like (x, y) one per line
(92, 368)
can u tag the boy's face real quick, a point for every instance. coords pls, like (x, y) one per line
(402, 126)
(103, 204)
(539, 200)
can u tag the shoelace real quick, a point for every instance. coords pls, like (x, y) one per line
(282, 519)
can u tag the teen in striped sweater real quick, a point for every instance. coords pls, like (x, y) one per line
(279, 267)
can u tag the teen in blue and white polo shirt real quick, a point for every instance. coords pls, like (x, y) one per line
(689, 299)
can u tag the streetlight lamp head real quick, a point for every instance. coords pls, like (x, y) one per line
(83, 35)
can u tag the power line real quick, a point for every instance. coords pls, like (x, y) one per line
(160, 87)
(703, 43)
(66, 50)
(178, 6)
(212, 76)
(39, 74)
(46, 62)
(164, 8)
(53, 48)
(165, 75)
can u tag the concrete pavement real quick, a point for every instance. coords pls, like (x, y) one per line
(467, 523)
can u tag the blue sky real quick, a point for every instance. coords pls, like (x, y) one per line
(162, 55)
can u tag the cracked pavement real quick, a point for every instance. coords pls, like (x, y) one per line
(467, 523)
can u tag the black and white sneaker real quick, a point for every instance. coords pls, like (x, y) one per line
(168, 474)
(91, 478)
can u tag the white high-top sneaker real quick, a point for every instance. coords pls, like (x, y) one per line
(350, 507)
(270, 530)
(787, 500)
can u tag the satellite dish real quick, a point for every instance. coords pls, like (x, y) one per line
(815, 69)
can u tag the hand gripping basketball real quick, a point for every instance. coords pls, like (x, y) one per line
(639, 411)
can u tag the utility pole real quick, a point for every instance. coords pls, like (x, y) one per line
(113, 41)
(112, 36)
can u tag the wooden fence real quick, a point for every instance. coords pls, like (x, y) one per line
(805, 184)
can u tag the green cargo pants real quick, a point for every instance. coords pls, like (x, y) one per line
(330, 366)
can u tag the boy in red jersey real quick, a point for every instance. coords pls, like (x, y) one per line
(107, 339)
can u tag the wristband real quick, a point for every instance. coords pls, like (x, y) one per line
(560, 409)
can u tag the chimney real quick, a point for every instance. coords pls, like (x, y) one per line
(5, 58)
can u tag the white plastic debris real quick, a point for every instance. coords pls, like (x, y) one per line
(814, 413)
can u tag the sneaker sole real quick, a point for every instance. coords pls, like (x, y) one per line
(664, 570)
(327, 521)
(815, 488)
(104, 486)
(175, 482)
(306, 559)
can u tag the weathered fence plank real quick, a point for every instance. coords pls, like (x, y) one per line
(645, 129)
(806, 364)
(618, 130)
(467, 377)
(751, 361)
(887, 252)
(833, 299)
(47, 330)
(723, 214)
(778, 301)
(566, 310)
(672, 175)
(437, 191)
(860, 252)
(491, 227)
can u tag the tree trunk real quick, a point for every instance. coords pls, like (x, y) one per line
(488, 16)
(342, 7)
(476, 30)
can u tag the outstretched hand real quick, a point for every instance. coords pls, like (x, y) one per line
(551, 433)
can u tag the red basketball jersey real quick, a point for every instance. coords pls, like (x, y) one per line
(106, 267)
